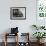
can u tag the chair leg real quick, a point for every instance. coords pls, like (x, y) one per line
(5, 43)
(5, 39)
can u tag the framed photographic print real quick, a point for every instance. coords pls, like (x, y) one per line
(41, 12)
(18, 13)
(41, 8)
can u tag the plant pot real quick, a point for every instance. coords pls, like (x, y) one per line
(40, 41)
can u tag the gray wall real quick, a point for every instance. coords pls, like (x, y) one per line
(24, 25)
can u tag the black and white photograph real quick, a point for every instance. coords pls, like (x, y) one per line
(18, 13)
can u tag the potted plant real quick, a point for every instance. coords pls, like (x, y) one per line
(38, 27)
(39, 35)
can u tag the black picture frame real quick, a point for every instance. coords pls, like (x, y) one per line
(18, 13)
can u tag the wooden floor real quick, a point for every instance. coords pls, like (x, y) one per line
(13, 44)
